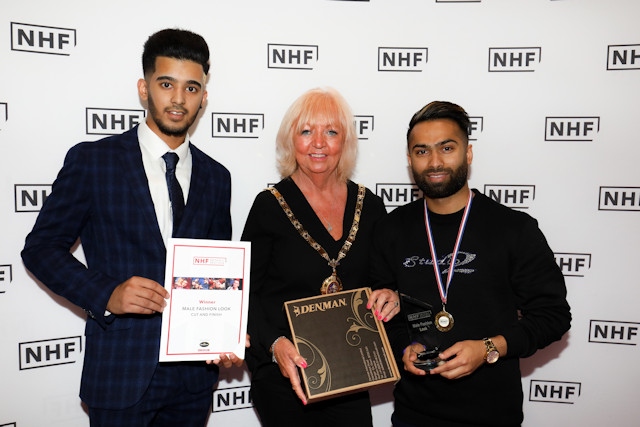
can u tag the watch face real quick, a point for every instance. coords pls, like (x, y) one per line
(492, 356)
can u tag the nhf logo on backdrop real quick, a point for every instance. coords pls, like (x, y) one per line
(411, 59)
(513, 196)
(623, 57)
(577, 129)
(236, 125)
(477, 125)
(228, 399)
(612, 332)
(112, 121)
(4, 114)
(514, 59)
(619, 199)
(364, 126)
(554, 391)
(42, 39)
(395, 195)
(573, 265)
(30, 197)
(6, 277)
(292, 56)
(56, 351)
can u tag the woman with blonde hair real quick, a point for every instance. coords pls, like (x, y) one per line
(315, 202)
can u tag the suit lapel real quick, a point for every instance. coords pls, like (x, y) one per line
(197, 187)
(133, 170)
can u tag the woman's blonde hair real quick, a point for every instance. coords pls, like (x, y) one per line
(317, 105)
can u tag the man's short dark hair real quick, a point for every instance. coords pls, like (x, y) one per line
(177, 44)
(441, 110)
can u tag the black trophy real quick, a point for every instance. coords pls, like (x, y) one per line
(419, 316)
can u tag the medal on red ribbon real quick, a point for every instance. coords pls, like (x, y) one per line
(444, 320)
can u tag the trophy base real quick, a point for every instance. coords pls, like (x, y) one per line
(428, 360)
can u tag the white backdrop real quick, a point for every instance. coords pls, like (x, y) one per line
(553, 88)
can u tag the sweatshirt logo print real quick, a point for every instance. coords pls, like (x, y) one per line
(463, 259)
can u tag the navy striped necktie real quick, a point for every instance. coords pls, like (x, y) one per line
(175, 191)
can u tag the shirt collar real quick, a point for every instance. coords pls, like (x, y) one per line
(156, 146)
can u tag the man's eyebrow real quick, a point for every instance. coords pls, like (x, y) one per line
(173, 80)
(439, 143)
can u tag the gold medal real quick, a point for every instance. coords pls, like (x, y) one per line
(331, 284)
(444, 321)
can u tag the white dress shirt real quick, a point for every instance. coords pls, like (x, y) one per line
(152, 148)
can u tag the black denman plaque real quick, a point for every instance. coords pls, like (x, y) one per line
(344, 344)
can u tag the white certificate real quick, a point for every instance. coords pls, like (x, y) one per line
(206, 314)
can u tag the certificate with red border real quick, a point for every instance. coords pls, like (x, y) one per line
(206, 314)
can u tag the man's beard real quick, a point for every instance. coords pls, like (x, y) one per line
(169, 131)
(457, 180)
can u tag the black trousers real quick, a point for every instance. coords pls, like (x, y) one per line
(277, 404)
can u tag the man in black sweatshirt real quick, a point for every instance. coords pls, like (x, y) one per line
(493, 289)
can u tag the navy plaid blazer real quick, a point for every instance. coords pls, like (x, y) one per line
(102, 197)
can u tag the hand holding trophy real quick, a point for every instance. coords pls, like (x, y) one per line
(419, 316)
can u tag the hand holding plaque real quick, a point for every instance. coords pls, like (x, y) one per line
(345, 346)
(419, 316)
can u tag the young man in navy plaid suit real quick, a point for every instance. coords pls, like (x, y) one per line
(112, 195)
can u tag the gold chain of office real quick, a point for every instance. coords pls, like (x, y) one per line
(332, 283)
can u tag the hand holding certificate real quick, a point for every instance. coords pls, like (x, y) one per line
(206, 315)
